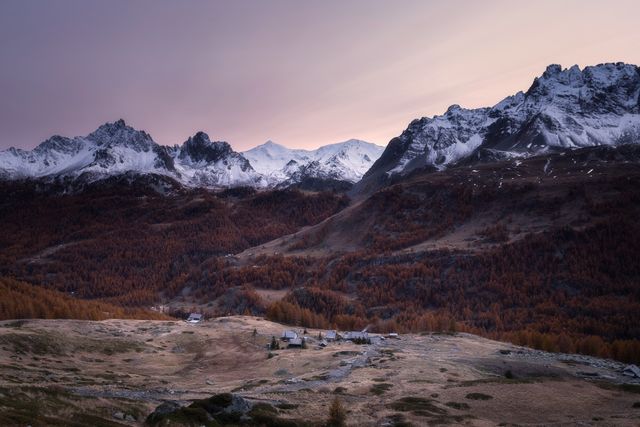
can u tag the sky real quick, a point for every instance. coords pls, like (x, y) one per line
(300, 73)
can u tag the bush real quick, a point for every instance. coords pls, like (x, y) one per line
(337, 414)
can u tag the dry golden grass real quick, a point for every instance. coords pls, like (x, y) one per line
(73, 369)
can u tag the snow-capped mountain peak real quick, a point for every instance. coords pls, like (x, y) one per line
(199, 148)
(343, 161)
(205, 163)
(119, 133)
(563, 109)
(116, 148)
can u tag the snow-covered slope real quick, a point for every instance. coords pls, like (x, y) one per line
(112, 148)
(344, 161)
(563, 109)
(115, 149)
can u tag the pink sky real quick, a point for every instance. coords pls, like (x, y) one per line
(303, 74)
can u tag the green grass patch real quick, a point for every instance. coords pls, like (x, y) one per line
(38, 344)
(321, 377)
(398, 420)
(54, 406)
(630, 388)
(478, 396)
(346, 353)
(380, 388)
(417, 405)
(14, 324)
(461, 406)
(286, 406)
(627, 388)
(421, 382)
(494, 380)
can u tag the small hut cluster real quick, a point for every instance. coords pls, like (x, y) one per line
(294, 339)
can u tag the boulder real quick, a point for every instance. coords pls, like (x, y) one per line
(220, 409)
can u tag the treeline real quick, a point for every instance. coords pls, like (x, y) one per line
(293, 314)
(19, 300)
(593, 345)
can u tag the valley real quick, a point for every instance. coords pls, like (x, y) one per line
(319, 214)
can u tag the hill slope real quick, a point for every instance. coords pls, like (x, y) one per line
(414, 380)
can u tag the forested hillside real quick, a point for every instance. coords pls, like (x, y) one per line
(128, 244)
(541, 252)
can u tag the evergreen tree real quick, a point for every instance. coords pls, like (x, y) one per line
(274, 344)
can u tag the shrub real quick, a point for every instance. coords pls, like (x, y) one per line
(337, 414)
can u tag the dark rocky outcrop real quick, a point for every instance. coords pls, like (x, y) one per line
(219, 410)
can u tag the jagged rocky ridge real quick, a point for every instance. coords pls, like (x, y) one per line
(116, 149)
(563, 109)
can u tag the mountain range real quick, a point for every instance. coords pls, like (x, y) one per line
(563, 109)
(115, 149)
